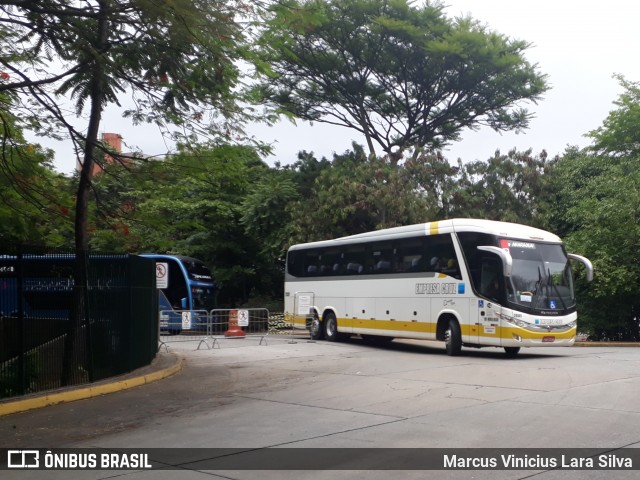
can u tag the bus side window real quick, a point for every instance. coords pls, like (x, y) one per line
(311, 264)
(354, 258)
(354, 268)
(443, 256)
(411, 256)
(490, 278)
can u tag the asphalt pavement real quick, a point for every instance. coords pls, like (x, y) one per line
(293, 393)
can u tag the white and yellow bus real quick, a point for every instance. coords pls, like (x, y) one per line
(465, 282)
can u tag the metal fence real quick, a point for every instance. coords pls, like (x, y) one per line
(210, 328)
(67, 320)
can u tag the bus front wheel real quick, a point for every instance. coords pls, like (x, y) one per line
(331, 327)
(453, 338)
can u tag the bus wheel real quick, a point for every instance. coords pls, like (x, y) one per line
(316, 329)
(511, 351)
(453, 338)
(331, 327)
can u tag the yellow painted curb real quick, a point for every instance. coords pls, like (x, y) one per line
(87, 392)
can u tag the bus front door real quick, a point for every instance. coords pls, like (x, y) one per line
(489, 309)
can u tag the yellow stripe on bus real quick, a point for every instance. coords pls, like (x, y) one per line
(433, 228)
(418, 327)
(430, 327)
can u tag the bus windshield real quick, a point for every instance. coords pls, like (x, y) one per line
(541, 277)
(203, 298)
(197, 270)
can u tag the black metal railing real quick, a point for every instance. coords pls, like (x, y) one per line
(69, 320)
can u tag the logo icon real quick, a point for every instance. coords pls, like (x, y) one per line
(23, 459)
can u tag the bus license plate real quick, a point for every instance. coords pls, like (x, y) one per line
(549, 339)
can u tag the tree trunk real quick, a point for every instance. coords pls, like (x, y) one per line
(80, 312)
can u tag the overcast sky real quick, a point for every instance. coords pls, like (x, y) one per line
(579, 44)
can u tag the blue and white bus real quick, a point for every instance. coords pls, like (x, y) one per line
(188, 287)
(49, 287)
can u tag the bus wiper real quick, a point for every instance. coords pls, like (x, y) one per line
(539, 282)
(555, 288)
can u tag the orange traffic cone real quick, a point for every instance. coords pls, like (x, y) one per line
(234, 330)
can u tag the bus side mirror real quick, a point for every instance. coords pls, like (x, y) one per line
(586, 262)
(183, 303)
(507, 261)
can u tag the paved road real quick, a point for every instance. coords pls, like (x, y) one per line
(346, 395)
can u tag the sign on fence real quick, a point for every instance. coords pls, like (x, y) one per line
(186, 320)
(243, 318)
(162, 275)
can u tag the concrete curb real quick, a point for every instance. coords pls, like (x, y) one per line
(606, 344)
(95, 390)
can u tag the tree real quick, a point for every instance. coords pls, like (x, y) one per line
(192, 203)
(596, 207)
(266, 212)
(619, 134)
(508, 187)
(359, 193)
(407, 78)
(175, 58)
(34, 201)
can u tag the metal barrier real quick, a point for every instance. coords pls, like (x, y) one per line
(238, 323)
(209, 328)
(184, 326)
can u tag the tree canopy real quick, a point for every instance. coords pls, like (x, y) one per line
(594, 203)
(176, 59)
(405, 77)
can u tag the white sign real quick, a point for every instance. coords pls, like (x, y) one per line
(186, 320)
(162, 275)
(243, 318)
(304, 304)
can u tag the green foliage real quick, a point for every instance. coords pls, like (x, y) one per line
(359, 193)
(178, 59)
(508, 187)
(405, 77)
(265, 213)
(597, 205)
(619, 134)
(34, 201)
(204, 202)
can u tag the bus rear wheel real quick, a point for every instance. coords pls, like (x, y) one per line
(331, 327)
(316, 329)
(453, 338)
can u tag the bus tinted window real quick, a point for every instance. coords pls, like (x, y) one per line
(330, 261)
(442, 256)
(420, 254)
(381, 258)
(197, 270)
(474, 257)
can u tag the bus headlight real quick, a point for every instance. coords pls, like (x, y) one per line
(520, 323)
(514, 321)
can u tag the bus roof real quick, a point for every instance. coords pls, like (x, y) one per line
(501, 229)
(181, 258)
